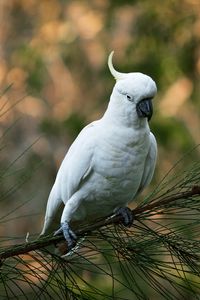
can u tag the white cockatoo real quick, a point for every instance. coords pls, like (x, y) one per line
(110, 162)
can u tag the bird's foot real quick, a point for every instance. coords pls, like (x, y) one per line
(69, 235)
(127, 216)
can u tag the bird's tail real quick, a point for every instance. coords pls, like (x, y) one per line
(54, 210)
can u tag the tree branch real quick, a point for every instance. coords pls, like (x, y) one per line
(114, 219)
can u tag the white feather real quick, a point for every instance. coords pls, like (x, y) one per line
(110, 162)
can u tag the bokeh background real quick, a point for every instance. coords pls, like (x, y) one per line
(54, 80)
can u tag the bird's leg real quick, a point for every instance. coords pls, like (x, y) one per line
(70, 208)
(127, 215)
(68, 233)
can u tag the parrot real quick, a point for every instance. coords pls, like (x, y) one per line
(110, 162)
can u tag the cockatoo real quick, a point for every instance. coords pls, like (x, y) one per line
(110, 162)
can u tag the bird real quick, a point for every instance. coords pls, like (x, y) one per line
(110, 162)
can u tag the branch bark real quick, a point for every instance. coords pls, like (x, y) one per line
(114, 219)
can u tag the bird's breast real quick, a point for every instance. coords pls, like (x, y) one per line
(121, 155)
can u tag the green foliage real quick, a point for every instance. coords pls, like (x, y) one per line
(31, 61)
(172, 134)
(71, 126)
(50, 127)
(74, 124)
(157, 258)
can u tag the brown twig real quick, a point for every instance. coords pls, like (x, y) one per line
(49, 240)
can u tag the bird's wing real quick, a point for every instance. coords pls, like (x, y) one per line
(76, 166)
(149, 165)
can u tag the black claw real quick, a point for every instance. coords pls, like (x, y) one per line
(69, 235)
(127, 216)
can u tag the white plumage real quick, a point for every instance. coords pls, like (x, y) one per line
(111, 161)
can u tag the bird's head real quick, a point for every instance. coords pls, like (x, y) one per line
(135, 89)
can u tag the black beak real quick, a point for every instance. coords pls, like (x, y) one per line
(145, 108)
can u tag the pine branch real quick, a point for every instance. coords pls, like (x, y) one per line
(114, 219)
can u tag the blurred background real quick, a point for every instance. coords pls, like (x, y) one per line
(54, 80)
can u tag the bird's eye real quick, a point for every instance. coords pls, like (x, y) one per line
(129, 97)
